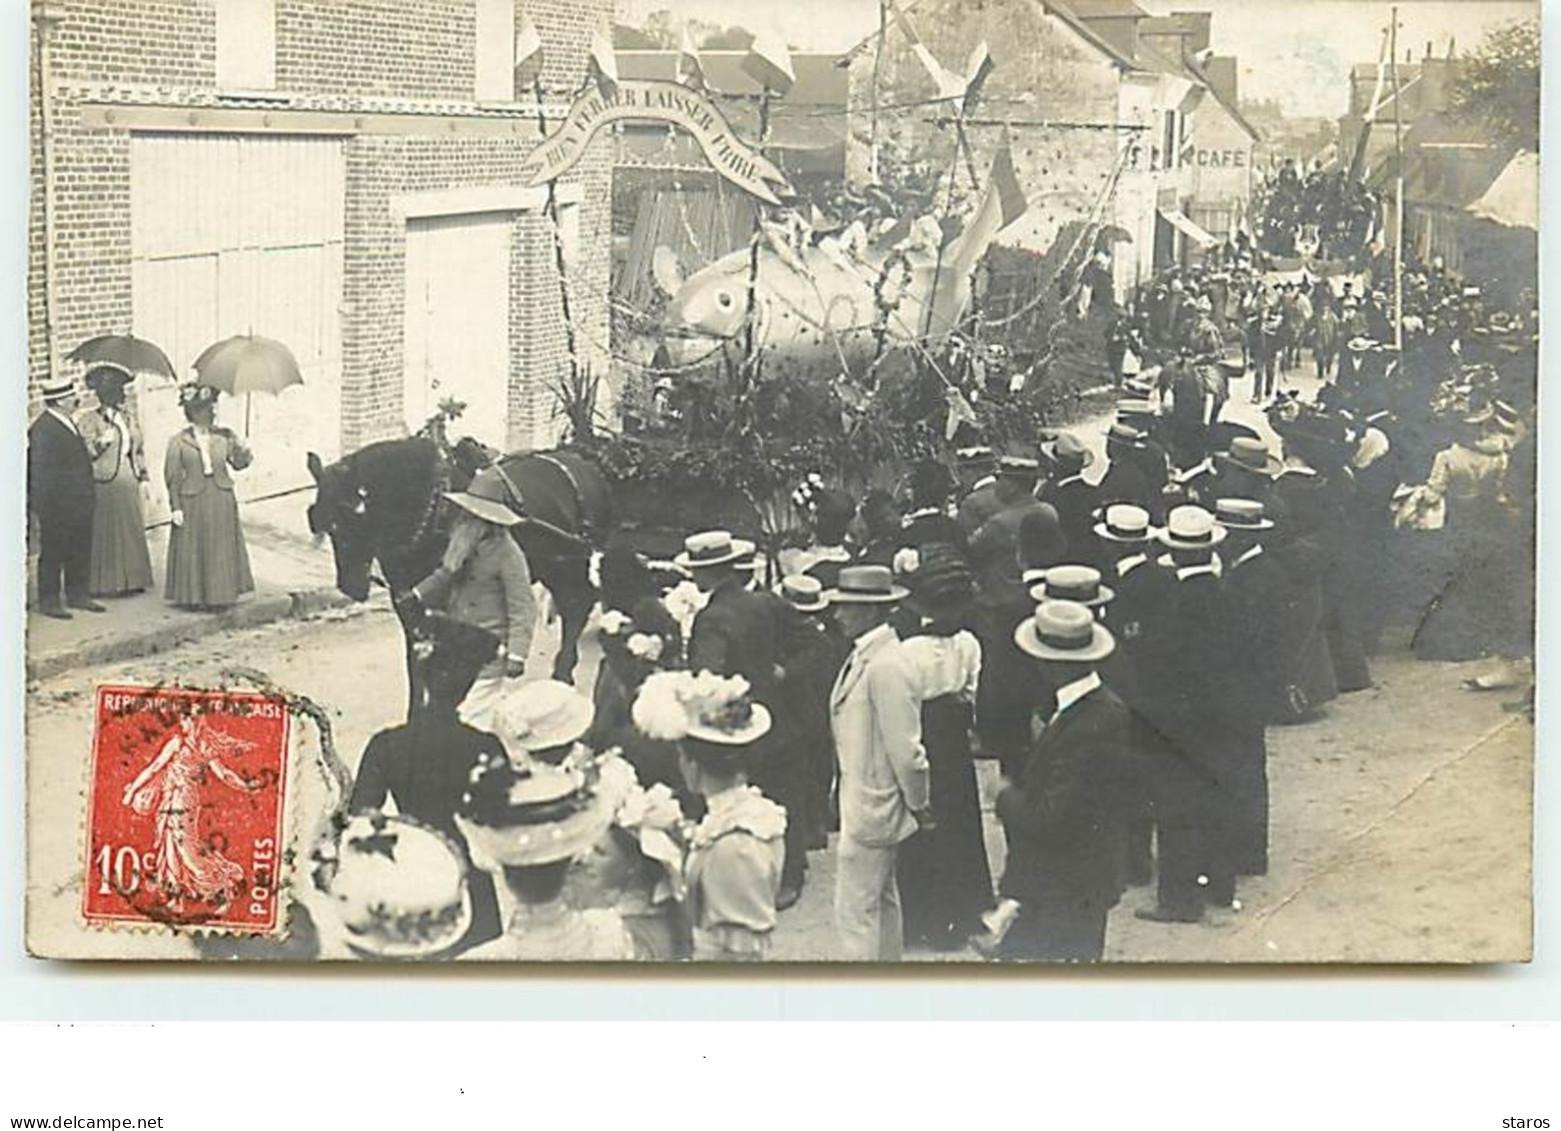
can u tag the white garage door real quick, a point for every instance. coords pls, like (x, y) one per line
(457, 322)
(234, 235)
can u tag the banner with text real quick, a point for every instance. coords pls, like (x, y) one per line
(659, 101)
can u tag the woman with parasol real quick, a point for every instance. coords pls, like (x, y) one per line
(121, 562)
(208, 563)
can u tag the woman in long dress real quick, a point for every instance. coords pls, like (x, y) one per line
(208, 564)
(945, 880)
(121, 562)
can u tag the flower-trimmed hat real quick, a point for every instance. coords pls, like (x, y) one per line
(397, 886)
(542, 714)
(1066, 632)
(1076, 583)
(529, 814)
(193, 393)
(1191, 528)
(713, 548)
(675, 705)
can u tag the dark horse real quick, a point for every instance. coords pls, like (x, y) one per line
(385, 503)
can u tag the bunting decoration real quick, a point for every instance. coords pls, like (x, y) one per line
(690, 71)
(528, 55)
(769, 64)
(602, 67)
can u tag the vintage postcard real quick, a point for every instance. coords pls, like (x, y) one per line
(788, 481)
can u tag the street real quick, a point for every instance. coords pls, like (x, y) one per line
(1401, 820)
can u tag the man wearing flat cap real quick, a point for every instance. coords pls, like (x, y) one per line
(60, 494)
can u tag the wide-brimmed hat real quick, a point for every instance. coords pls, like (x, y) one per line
(57, 389)
(1241, 514)
(107, 373)
(1361, 345)
(1068, 452)
(803, 593)
(397, 886)
(713, 548)
(1251, 454)
(1191, 528)
(488, 498)
(1064, 631)
(540, 715)
(529, 814)
(718, 710)
(866, 585)
(1124, 522)
(1078, 583)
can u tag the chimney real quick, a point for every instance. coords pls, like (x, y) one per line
(1199, 26)
(1221, 73)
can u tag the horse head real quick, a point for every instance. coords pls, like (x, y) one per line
(340, 511)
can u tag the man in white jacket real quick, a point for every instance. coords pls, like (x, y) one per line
(875, 713)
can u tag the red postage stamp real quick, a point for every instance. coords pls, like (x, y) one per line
(184, 822)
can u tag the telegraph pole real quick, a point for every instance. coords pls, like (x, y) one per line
(1398, 194)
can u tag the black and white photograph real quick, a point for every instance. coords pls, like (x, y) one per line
(985, 482)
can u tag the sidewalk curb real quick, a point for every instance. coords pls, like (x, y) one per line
(252, 614)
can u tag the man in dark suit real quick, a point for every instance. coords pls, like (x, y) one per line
(1072, 496)
(1258, 629)
(929, 521)
(1186, 694)
(1143, 592)
(60, 495)
(1137, 474)
(1065, 815)
(978, 476)
(743, 632)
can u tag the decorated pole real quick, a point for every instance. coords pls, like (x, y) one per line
(751, 336)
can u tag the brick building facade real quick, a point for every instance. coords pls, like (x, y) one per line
(342, 177)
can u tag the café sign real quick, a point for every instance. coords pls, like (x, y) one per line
(657, 101)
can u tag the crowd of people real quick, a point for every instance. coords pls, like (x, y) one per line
(1323, 213)
(86, 479)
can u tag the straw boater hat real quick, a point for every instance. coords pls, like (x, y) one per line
(1124, 522)
(531, 814)
(803, 593)
(1126, 435)
(1077, 583)
(1241, 514)
(866, 585)
(1067, 452)
(487, 497)
(540, 715)
(974, 457)
(1019, 467)
(1191, 528)
(1130, 409)
(57, 389)
(1251, 454)
(1064, 631)
(713, 548)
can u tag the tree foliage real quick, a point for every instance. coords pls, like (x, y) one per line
(1498, 85)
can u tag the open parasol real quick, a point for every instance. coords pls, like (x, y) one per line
(132, 354)
(248, 363)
